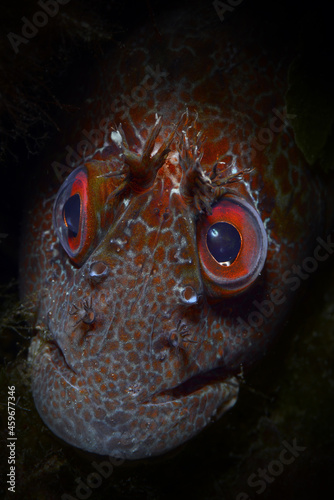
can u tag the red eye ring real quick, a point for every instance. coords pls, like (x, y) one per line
(225, 280)
(73, 243)
(79, 187)
(80, 212)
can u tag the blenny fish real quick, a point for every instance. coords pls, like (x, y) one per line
(164, 266)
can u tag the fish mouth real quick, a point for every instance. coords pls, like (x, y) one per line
(132, 427)
(214, 381)
(197, 385)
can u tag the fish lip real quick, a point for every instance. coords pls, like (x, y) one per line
(196, 384)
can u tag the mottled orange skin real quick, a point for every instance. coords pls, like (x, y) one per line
(118, 384)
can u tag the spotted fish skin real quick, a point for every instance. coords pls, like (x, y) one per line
(135, 353)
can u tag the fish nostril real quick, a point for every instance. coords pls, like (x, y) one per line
(189, 295)
(98, 271)
(173, 339)
(89, 317)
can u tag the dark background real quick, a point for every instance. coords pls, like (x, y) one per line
(289, 396)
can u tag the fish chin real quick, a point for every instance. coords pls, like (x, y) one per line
(128, 426)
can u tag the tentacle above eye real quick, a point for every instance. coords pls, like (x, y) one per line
(220, 180)
(196, 187)
(142, 169)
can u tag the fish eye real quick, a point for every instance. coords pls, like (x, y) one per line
(223, 242)
(232, 245)
(81, 214)
(70, 214)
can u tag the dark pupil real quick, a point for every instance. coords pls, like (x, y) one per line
(71, 214)
(224, 242)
